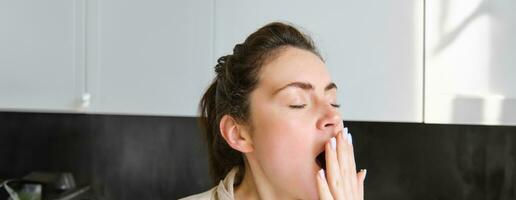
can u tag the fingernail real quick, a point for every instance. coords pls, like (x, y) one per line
(365, 172)
(346, 130)
(321, 173)
(350, 139)
(333, 143)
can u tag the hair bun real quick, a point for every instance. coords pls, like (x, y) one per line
(221, 64)
(239, 49)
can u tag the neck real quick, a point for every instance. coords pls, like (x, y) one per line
(247, 188)
(255, 186)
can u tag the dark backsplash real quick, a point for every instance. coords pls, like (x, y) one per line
(147, 157)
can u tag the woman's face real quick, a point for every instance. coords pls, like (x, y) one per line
(293, 114)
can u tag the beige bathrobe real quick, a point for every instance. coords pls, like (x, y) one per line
(223, 191)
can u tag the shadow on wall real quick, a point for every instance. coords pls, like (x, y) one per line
(477, 38)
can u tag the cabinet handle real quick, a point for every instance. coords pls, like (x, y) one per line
(86, 100)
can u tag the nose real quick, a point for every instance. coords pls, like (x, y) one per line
(329, 121)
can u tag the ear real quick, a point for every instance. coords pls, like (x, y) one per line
(236, 135)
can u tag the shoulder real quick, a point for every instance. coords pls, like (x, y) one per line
(208, 195)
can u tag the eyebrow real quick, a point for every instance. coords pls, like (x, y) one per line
(305, 86)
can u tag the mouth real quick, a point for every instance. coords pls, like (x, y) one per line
(321, 160)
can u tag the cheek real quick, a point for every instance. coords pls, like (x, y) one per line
(282, 136)
(284, 149)
(284, 144)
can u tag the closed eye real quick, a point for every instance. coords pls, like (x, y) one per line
(303, 105)
(297, 106)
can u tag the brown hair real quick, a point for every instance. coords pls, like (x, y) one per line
(236, 77)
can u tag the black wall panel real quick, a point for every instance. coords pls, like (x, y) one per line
(147, 157)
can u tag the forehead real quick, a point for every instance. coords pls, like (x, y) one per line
(294, 64)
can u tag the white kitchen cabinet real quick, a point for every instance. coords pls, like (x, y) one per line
(149, 57)
(157, 57)
(373, 49)
(470, 62)
(41, 55)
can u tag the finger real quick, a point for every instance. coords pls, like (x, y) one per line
(345, 170)
(361, 179)
(334, 178)
(342, 152)
(352, 165)
(322, 185)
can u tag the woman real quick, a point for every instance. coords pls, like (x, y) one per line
(272, 122)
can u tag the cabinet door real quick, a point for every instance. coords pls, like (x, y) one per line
(149, 57)
(373, 49)
(471, 62)
(41, 55)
